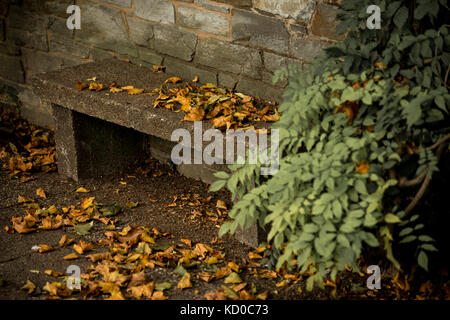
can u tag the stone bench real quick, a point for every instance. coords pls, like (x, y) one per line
(98, 133)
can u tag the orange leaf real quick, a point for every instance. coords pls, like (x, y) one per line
(362, 167)
(195, 114)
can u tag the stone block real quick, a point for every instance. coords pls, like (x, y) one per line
(203, 20)
(273, 62)
(229, 57)
(36, 62)
(54, 7)
(149, 56)
(11, 68)
(104, 28)
(324, 22)
(227, 80)
(121, 3)
(155, 10)
(99, 55)
(260, 89)
(58, 26)
(260, 31)
(141, 32)
(238, 3)
(24, 38)
(174, 42)
(300, 10)
(19, 18)
(189, 71)
(306, 49)
(68, 47)
(213, 6)
(89, 147)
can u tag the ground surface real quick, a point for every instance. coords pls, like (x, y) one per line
(179, 208)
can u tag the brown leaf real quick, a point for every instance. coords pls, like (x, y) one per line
(187, 242)
(195, 114)
(65, 241)
(30, 286)
(71, 256)
(98, 256)
(185, 281)
(159, 295)
(144, 290)
(44, 248)
(80, 85)
(96, 86)
(173, 80)
(41, 193)
(51, 223)
(82, 247)
(53, 273)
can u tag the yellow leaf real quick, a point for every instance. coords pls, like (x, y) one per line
(53, 273)
(71, 256)
(159, 295)
(233, 266)
(233, 278)
(173, 80)
(41, 193)
(221, 205)
(195, 114)
(82, 247)
(185, 281)
(86, 203)
(135, 91)
(30, 286)
(82, 189)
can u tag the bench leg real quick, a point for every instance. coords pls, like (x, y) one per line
(88, 147)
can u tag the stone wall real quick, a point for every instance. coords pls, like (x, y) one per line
(232, 43)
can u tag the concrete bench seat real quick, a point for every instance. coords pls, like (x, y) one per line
(100, 133)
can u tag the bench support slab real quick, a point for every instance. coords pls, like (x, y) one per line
(88, 147)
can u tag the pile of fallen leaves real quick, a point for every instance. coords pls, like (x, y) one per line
(52, 218)
(24, 148)
(224, 108)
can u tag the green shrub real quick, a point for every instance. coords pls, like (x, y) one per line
(361, 128)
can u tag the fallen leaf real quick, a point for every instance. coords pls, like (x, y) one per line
(221, 205)
(82, 189)
(159, 295)
(30, 286)
(233, 278)
(86, 203)
(83, 229)
(187, 242)
(41, 193)
(53, 273)
(185, 281)
(144, 290)
(80, 85)
(82, 247)
(163, 286)
(42, 248)
(65, 241)
(96, 86)
(71, 256)
(173, 80)
(195, 114)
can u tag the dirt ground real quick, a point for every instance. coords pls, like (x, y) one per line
(165, 201)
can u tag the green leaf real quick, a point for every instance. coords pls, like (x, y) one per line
(163, 286)
(391, 218)
(422, 259)
(400, 17)
(217, 185)
(83, 229)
